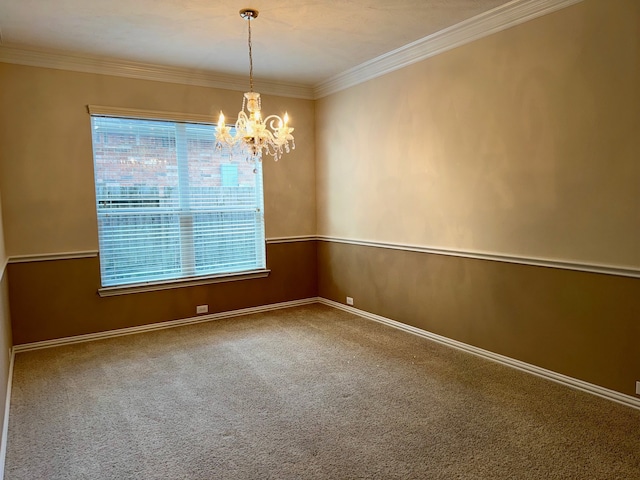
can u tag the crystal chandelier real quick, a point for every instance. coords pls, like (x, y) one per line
(253, 135)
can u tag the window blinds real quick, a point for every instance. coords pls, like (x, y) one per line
(171, 206)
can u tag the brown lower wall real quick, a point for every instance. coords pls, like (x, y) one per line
(58, 298)
(583, 325)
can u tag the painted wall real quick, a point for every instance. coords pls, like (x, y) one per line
(3, 253)
(580, 324)
(46, 178)
(47, 172)
(68, 305)
(524, 143)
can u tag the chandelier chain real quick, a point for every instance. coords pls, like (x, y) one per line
(250, 57)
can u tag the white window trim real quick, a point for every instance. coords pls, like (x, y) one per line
(180, 282)
(183, 282)
(152, 114)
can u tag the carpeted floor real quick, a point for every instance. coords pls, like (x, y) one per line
(302, 393)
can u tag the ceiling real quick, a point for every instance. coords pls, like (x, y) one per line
(304, 42)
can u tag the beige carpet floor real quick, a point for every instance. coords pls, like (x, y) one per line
(302, 393)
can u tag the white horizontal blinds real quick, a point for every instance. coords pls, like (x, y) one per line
(226, 202)
(170, 205)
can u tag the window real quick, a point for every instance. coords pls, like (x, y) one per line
(170, 206)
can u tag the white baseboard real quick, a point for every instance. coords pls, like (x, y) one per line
(5, 423)
(25, 347)
(510, 362)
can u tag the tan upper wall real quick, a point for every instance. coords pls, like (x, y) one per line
(524, 143)
(46, 167)
(3, 255)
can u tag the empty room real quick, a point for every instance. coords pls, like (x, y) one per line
(327, 240)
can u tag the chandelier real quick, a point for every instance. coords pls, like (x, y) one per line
(254, 135)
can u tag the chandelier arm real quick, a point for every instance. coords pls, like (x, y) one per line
(272, 118)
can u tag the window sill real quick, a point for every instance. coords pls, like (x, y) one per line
(186, 282)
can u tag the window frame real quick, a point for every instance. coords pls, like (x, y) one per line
(178, 282)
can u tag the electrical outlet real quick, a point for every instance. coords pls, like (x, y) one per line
(637, 388)
(202, 308)
(349, 301)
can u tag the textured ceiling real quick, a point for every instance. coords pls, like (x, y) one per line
(305, 42)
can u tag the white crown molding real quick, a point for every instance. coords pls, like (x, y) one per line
(565, 380)
(485, 24)
(144, 71)
(500, 18)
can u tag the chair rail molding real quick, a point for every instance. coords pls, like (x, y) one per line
(622, 271)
